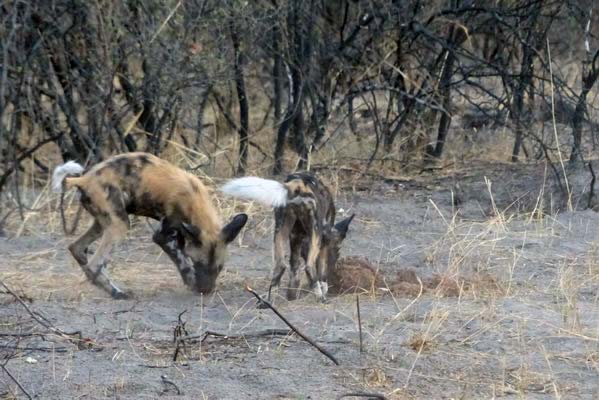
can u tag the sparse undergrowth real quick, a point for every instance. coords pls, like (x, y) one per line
(453, 304)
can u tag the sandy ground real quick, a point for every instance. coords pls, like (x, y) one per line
(526, 326)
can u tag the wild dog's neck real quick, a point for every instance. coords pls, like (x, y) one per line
(202, 213)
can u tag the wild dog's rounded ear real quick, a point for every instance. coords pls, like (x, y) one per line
(191, 232)
(232, 229)
(343, 225)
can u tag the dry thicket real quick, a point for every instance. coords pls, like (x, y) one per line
(274, 85)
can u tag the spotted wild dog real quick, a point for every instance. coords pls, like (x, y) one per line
(305, 221)
(190, 232)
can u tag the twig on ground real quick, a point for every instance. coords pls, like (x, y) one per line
(40, 319)
(592, 188)
(3, 220)
(290, 325)
(128, 310)
(363, 394)
(179, 333)
(265, 332)
(359, 322)
(16, 381)
(33, 349)
(24, 334)
(166, 382)
(154, 366)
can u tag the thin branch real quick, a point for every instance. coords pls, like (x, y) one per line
(42, 320)
(16, 381)
(166, 382)
(289, 324)
(24, 155)
(265, 332)
(363, 394)
(592, 188)
(359, 322)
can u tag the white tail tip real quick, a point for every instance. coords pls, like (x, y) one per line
(60, 173)
(265, 191)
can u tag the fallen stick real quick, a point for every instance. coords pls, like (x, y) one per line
(166, 382)
(592, 188)
(16, 382)
(40, 319)
(293, 328)
(377, 396)
(265, 332)
(32, 348)
(24, 334)
(359, 322)
(181, 340)
(178, 332)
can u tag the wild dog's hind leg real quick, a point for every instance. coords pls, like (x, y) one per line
(112, 223)
(94, 270)
(79, 247)
(295, 265)
(283, 224)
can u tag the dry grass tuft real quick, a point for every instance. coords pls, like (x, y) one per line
(479, 284)
(374, 377)
(420, 342)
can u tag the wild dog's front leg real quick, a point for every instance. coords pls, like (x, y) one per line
(296, 266)
(171, 241)
(322, 274)
(315, 241)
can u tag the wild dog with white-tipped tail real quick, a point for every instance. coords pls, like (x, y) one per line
(305, 221)
(190, 233)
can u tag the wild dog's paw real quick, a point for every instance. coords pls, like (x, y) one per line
(118, 294)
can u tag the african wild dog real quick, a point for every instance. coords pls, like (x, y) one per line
(304, 220)
(190, 231)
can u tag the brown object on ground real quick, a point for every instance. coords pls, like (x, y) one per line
(354, 274)
(357, 274)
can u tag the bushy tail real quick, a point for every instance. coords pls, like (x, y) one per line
(265, 191)
(60, 173)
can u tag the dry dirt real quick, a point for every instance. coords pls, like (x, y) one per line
(521, 319)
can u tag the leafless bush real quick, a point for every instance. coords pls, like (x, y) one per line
(86, 80)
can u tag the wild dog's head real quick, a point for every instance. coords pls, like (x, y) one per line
(206, 255)
(332, 240)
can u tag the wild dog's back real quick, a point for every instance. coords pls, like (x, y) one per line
(152, 187)
(303, 187)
